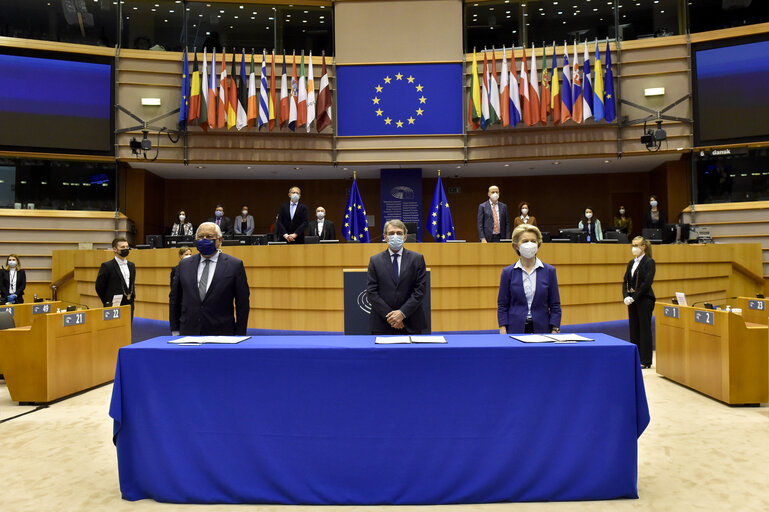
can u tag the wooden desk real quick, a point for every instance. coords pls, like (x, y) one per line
(56, 356)
(714, 352)
(23, 313)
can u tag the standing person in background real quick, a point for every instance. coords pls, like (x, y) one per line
(184, 252)
(655, 217)
(181, 225)
(117, 277)
(639, 298)
(528, 299)
(590, 225)
(622, 221)
(493, 218)
(524, 216)
(292, 218)
(224, 223)
(244, 224)
(13, 281)
(322, 227)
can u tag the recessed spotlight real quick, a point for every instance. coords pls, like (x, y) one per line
(297, 168)
(556, 163)
(606, 161)
(507, 165)
(201, 167)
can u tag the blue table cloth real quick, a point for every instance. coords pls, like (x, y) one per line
(340, 420)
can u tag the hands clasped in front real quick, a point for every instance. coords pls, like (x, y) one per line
(395, 319)
(628, 301)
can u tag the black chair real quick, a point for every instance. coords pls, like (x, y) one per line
(575, 235)
(546, 237)
(654, 235)
(411, 227)
(311, 239)
(154, 241)
(411, 237)
(6, 320)
(261, 239)
(620, 237)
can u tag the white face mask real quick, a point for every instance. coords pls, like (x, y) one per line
(187, 256)
(528, 249)
(652, 203)
(12, 263)
(295, 197)
(588, 215)
(182, 217)
(622, 211)
(636, 251)
(395, 242)
(320, 215)
(524, 211)
(244, 212)
(494, 196)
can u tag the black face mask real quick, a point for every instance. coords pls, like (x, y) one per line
(123, 252)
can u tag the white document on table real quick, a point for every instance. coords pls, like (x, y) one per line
(199, 340)
(568, 337)
(532, 338)
(428, 339)
(392, 339)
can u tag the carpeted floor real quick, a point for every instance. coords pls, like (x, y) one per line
(697, 454)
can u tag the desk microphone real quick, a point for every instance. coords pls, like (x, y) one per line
(708, 302)
(74, 304)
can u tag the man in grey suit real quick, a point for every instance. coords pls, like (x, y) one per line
(322, 228)
(493, 219)
(397, 282)
(206, 285)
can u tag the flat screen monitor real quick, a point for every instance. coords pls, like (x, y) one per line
(154, 241)
(176, 241)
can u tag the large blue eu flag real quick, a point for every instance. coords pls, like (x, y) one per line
(439, 223)
(399, 99)
(355, 226)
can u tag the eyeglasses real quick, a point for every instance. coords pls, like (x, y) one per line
(206, 237)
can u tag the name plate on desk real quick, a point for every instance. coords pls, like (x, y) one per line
(671, 311)
(705, 317)
(8, 310)
(759, 305)
(111, 314)
(73, 319)
(39, 309)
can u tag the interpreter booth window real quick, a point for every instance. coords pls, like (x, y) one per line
(727, 178)
(67, 21)
(705, 15)
(57, 185)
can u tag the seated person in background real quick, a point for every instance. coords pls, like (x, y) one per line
(244, 225)
(13, 281)
(655, 217)
(184, 252)
(182, 226)
(322, 228)
(524, 216)
(224, 223)
(622, 220)
(591, 226)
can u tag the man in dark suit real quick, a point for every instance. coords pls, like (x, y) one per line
(224, 223)
(322, 228)
(397, 281)
(292, 219)
(117, 277)
(202, 295)
(493, 220)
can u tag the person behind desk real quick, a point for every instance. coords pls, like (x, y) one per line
(655, 218)
(591, 226)
(493, 219)
(184, 252)
(528, 299)
(210, 295)
(397, 281)
(181, 225)
(13, 281)
(639, 298)
(244, 225)
(322, 228)
(224, 223)
(117, 277)
(524, 215)
(292, 219)
(622, 221)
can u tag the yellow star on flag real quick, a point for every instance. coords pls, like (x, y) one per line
(398, 76)
(410, 79)
(388, 120)
(411, 120)
(378, 88)
(387, 79)
(378, 112)
(420, 87)
(399, 124)
(375, 100)
(422, 99)
(435, 214)
(419, 111)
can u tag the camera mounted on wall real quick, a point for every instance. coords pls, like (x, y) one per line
(653, 138)
(140, 148)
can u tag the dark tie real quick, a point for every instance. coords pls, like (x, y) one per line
(203, 280)
(218, 221)
(395, 266)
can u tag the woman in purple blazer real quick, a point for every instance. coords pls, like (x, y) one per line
(528, 300)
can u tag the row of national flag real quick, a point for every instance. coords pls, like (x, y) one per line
(235, 101)
(439, 222)
(567, 92)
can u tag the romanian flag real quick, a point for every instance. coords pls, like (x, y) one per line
(566, 101)
(544, 105)
(494, 108)
(273, 102)
(598, 85)
(555, 92)
(485, 93)
(609, 106)
(323, 118)
(504, 91)
(204, 93)
(283, 94)
(292, 109)
(576, 78)
(252, 109)
(474, 101)
(221, 110)
(194, 112)
(533, 89)
(232, 97)
(515, 95)
(212, 101)
(587, 88)
(301, 115)
(310, 95)
(524, 86)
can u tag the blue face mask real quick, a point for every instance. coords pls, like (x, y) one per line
(205, 246)
(219, 213)
(395, 242)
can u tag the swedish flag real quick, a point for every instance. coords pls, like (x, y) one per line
(439, 223)
(355, 226)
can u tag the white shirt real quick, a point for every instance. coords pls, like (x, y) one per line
(636, 262)
(400, 258)
(123, 266)
(211, 268)
(495, 207)
(529, 278)
(12, 277)
(320, 228)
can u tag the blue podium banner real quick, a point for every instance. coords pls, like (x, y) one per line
(399, 99)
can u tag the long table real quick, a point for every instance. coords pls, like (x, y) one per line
(341, 420)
